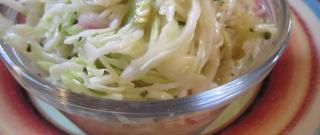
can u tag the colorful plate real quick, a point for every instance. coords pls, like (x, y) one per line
(289, 102)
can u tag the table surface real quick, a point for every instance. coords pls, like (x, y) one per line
(289, 102)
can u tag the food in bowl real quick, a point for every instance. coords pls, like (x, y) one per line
(184, 115)
(138, 49)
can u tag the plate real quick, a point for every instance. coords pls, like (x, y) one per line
(288, 102)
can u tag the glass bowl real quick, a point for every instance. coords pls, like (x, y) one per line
(182, 116)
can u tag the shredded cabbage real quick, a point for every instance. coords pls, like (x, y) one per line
(137, 49)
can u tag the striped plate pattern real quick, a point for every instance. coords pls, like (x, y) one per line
(289, 101)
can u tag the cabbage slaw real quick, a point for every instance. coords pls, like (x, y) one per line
(137, 49)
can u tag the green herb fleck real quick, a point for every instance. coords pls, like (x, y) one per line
(251, 29)
(75, 21)
(29, 48)
(80, 38)
(60, 27)
(144, 94)
(84, 39)
(105, 72)
(181, 23)
(267, 35)
(85, 70)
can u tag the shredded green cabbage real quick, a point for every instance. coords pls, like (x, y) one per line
(137, 49)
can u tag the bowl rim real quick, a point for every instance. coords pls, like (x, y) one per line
(213, 98)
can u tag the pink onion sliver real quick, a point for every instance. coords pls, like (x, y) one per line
(92, 21)
(260, 9)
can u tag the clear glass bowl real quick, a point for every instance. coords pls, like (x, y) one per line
(182, 116)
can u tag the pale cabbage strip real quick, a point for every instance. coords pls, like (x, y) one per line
(137, 49)
(5, 24)
(209, 48)
(164, 49)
